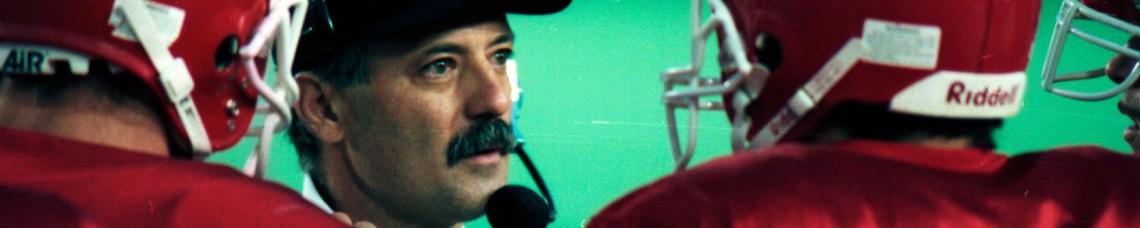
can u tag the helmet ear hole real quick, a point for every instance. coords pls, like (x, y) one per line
(768, 51)
(226, 52)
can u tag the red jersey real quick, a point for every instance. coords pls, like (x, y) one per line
(880, 184)
(117, 188)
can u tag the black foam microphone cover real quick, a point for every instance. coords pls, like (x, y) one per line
(517, 206)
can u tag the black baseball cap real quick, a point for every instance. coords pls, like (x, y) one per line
(333, 22)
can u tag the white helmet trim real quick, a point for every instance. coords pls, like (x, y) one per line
(810, 94)
(963, 95)
(33, 59)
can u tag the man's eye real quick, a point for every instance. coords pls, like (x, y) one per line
(438, 69)
(501, 57)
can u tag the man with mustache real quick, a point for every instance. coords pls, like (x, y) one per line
(404, 107)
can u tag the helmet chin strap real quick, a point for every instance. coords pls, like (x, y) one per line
(172, 71)
(809, 95)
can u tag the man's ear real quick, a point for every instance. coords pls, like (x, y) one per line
(315, 108)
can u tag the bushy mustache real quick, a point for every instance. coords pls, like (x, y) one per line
(484, 135)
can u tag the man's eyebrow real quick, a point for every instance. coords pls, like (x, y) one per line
(459, 49)
(446, 48)
(505, 38)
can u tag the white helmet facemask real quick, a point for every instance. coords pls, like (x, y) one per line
(281, 30)
(734, 59)
(1070, 11)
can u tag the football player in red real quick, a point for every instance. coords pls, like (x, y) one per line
(1117, 15)
(105, 104)
(873, 113)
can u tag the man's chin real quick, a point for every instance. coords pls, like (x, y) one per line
(461, 212)
(472, 213)
(480, 184)
(475, 209)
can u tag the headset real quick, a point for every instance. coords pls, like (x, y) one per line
(514, 205)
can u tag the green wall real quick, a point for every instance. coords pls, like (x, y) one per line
(595, 123)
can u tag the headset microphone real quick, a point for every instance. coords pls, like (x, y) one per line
(513, 205)
(517, 206)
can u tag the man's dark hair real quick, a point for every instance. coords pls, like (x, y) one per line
(876, 122)
(341, 65)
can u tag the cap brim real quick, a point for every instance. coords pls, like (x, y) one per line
(536, 6)
(331, 22)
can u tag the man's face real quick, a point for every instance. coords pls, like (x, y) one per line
(1118, 69)
(401, 125)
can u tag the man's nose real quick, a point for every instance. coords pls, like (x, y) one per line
(489, 91)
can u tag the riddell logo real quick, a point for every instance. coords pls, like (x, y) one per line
(959, 94)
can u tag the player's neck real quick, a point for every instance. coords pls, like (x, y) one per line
(81, 114)
(837, 134)
(941, 142)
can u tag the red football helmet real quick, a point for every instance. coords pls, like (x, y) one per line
(1120, 15)
(203, 60)
(787, 63)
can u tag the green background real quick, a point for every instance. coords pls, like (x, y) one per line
(594, 120)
